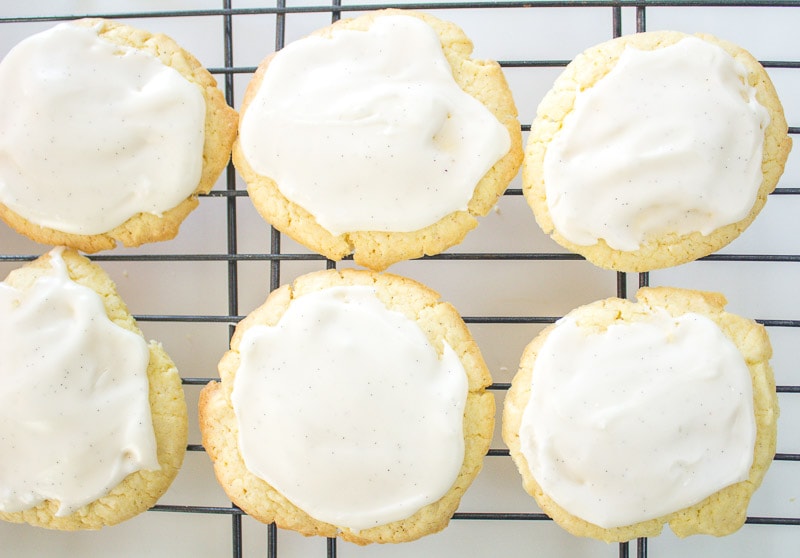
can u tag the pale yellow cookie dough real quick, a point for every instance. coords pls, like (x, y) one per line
(220, 132)
(483, 80)
(142, 489)
(438, 320)
(719, 514)
(669, 249)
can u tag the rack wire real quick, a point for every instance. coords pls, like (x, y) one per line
(280, 259)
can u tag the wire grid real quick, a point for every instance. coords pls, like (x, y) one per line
(278, 258)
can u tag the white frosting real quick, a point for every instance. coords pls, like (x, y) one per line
(639, 421)
(92, 133)
(74, 408)
(368, 134)
(348, 411)
(669, 141)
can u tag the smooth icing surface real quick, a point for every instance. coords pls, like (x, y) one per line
(92, 133)
(74, 407)
(639, 421)
(669, 141)
(348, 411)
(368, 134)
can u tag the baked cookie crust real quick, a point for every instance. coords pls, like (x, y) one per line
(142, 489)
(664, 250)
(483, 80)
(440, 323)
(719, 514)
(220, 132)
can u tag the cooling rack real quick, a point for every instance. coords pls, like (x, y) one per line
(506, 279)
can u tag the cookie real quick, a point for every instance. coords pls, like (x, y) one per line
(626, 416)
(351, 404)
(94, 422)
(350, 142)
(654, 149)
(107, 135)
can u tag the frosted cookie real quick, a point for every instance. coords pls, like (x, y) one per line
(107, 135)
(352, 142)
(93, 421)
(625, 416)
(654, 149)
(351, 404)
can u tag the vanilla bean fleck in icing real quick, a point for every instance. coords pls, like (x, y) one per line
(368, 133)
(74, 398)
(640, 420)
(346, 408)
(669, 141)
(93, 133)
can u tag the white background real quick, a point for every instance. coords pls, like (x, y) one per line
(514, 287)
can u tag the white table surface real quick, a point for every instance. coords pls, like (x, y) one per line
(477, 288)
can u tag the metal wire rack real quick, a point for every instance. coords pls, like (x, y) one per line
(247, 259)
